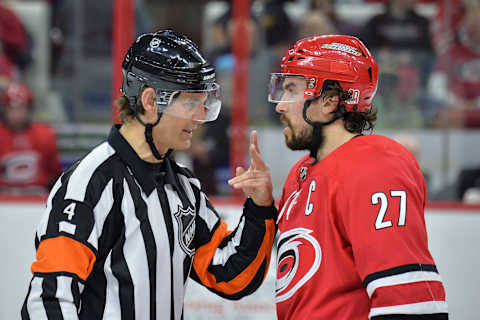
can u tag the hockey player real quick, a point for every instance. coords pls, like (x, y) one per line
(29, 158)
(126, 226)
(352, 242)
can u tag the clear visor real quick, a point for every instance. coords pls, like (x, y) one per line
(196, 105)
(286, 87)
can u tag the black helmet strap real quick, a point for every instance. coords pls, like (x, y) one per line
(317, 126)
(149, 136)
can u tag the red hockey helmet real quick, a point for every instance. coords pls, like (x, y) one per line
(331, 57)
(16, 94)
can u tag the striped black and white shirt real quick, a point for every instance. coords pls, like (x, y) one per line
(119, 240)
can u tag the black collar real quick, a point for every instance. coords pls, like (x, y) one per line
(137, 166)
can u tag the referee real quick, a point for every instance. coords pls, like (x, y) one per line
(126, 226)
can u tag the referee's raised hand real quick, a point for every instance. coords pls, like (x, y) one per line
(256, 181)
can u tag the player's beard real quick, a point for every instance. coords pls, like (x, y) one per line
(300, 139)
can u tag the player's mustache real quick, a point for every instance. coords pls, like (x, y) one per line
(283, 118)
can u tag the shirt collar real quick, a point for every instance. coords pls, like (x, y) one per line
(136, 165)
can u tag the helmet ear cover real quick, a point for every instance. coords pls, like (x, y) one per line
(333, 57)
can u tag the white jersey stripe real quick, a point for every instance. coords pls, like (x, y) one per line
(178, 255)
(134, 251)
(80, 287)
(112, 299)
(206, 214)
(163, 251)
(178, 280)
(187, 187)
(35, 304)
(65, 226)
(65, 297)
(101, 210)
(428, 307)
(78, 181)
(408, 277)
(42, 226)
(223, 254)
(195, 182)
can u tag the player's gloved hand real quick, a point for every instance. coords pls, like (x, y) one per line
(255, 182)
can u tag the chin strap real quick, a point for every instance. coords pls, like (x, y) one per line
(317, 126)
(149, 137)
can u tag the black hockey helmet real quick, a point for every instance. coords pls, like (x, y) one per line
(170, 63)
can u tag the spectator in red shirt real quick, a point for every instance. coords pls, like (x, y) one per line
(14, 41)
(29, 159)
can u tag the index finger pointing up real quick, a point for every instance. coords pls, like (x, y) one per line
(254, 140)
(257, 161)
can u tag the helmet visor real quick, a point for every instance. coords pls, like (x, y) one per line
(286, 87)
(196, 105)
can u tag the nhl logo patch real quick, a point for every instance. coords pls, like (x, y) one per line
(303, 173)
(155, 43)
(186, 228)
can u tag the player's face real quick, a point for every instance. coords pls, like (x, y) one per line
(16, 116)
(298, 133)
(176, 126)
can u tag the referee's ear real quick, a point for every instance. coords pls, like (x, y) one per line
(149, 104)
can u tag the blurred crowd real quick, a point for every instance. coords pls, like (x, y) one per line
(428, 52)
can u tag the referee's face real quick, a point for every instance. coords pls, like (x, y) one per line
(175, 132)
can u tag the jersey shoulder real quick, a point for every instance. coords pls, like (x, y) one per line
(376, 152)
(373, 161)
(97, 165)
(187, 175)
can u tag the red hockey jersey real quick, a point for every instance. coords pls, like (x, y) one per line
(352, 241)
(29, 159)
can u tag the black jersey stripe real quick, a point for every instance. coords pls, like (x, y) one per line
(121, 272)
(399, 270)
(239, 260)
(250, 288)
(187, 266)
(141, 212)
(24, 312)
(50, 302)
(94, 301)
(162, 195)
(75, 293)
(52, 225)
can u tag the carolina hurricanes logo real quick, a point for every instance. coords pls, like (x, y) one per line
(20, 167)
(299, 257)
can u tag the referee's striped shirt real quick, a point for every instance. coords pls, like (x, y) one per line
(118, 240)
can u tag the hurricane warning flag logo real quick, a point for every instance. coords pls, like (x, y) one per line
(299, 257)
